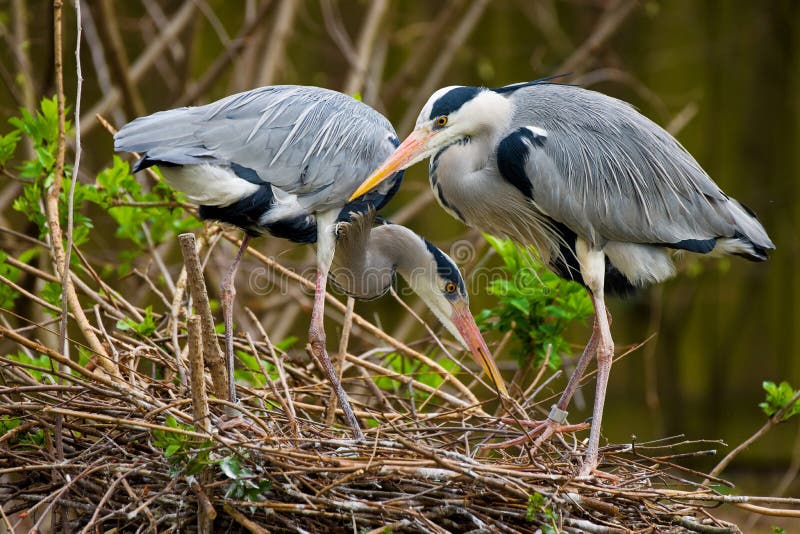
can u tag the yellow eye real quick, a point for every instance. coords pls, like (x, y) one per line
(450, 287)
(441, 121)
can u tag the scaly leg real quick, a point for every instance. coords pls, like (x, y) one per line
(228, 294)
(554, 424)
(605, 356)
(592, 264)
(326, 244)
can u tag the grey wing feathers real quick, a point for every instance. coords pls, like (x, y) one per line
(610, 173)
(307, 141)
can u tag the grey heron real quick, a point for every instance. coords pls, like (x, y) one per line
(283, 160)
(603, 194)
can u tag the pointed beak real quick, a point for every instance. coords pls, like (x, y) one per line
(465, 323)
(412, 150)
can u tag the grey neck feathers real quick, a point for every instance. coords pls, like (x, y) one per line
(368, 257)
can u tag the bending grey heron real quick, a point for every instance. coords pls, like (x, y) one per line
(281, 160)
(369, 257)
(601, 192)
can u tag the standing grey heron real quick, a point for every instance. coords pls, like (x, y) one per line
(602, 193)
(283, 160)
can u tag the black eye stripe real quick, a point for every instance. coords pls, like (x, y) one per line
(453, 100)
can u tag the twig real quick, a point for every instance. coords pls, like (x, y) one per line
(251, 526)
(774, 419)
(112, 39)
(366, 45)
(272, 387)
(443, 60)
(339, 359)
(239, 43)
(276, 53)
(166, 37)
(606, 27)
(197, 287)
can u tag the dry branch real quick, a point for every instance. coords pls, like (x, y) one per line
(197, 288)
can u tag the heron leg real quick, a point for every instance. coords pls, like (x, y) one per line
(228, 294)
(605, 356)
(316, 334)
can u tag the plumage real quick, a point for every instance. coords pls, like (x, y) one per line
(284, 160)
(603, 194)
(311, 146)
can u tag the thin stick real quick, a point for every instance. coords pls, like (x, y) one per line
(776, 418)
(139, 68)
(443, 60)
(339, 359)
(279, 36)
(366, 45)
(239, 517)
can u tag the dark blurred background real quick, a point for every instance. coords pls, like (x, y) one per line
(724, 75)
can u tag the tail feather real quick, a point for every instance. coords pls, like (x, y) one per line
(750, 240)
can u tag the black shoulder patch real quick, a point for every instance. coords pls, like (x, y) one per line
(246, 173)
(453, 100)
(146, 162)
(512, 155)
(445, 267)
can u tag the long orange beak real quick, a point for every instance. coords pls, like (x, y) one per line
(409, 152)
(465, 323)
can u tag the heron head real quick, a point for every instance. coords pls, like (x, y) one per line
(450, 115)
(438, 282)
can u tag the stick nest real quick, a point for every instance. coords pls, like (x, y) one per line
(132, 462)
(116, 442)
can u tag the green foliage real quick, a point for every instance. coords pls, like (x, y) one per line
(8, 145)
(34, 439)
(116, 191)
(8, 294)
(286, 344)
(51, 292)
(422, 373)
(144, 328)
(777, 397)
(243, 485)
(538, 511)
(252, 374)
(778, 530)
(534, 304)
(185, 455)
(40, 366)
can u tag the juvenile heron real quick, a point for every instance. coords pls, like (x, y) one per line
(281, 160)
(603, 194)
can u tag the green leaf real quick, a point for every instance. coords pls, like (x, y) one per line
(8, 145)
(231, 467)
(777, 397)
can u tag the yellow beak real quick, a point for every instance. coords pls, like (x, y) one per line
(409, 152)
(465, 323)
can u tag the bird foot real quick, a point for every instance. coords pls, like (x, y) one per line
(540, 431)
(589, 469)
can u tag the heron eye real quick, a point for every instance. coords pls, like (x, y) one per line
(441, 121)
(450, 287)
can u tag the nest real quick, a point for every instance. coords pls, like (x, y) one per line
(134, 442)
